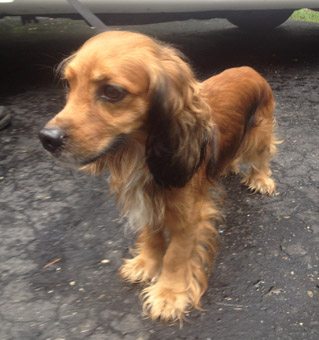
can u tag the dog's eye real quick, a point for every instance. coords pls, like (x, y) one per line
(65, 84)
(113, 93)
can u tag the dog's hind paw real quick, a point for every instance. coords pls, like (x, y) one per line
(231, 169)
(261, 183)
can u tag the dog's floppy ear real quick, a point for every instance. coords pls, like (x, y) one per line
(177, 125)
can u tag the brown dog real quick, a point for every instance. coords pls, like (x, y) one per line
(135, 107)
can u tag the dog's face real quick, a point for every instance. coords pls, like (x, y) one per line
(125, 87)
(107, 100)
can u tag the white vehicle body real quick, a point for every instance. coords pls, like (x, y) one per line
(41, 7)
(249, 13)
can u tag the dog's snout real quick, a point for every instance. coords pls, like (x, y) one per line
(52, 139)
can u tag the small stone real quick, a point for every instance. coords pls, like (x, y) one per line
(105, 261)
(310, 293)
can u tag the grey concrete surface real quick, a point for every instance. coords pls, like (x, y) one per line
(61, 240)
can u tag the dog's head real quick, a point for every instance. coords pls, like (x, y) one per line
(127, 88)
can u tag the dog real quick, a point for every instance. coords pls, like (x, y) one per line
(135, 107)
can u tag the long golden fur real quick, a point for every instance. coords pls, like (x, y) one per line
(135, 107)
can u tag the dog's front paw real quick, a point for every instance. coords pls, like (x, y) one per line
(139, 269)
(164, 304)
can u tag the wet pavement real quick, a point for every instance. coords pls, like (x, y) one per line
(61, 239)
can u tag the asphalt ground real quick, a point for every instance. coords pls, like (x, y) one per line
(62, 242)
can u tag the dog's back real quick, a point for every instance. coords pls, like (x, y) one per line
(241, 100)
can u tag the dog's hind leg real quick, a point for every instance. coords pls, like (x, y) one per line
(258, 149)
(259, 145)
(149, 252)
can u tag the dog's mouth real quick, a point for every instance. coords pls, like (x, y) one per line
(116, 143)
(71, 159)
(69, 152)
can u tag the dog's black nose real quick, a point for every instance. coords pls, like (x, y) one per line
(52, 138)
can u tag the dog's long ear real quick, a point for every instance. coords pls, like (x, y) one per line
(178, 123)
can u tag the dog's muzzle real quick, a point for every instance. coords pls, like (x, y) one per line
(52, 139)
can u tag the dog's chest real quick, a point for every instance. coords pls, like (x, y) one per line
(141, 204)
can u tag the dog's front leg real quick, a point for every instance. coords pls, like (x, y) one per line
(183, 279)
(169, 297)
(145, 266)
